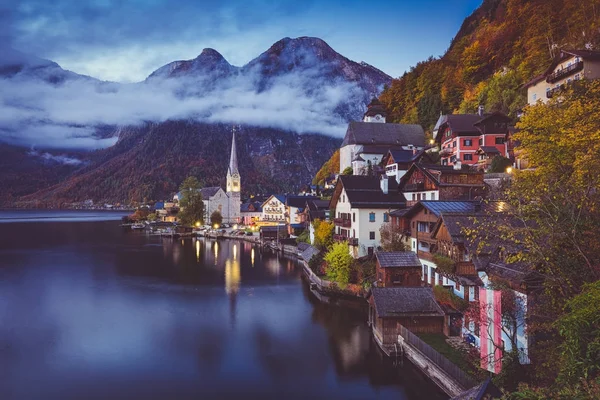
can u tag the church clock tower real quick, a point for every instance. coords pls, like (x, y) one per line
(234, 185)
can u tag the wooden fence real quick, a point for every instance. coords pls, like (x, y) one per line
(460, 376)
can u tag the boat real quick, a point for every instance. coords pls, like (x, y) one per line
(138, 226)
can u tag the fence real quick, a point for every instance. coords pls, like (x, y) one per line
(460, 376)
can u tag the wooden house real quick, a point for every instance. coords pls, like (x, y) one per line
(438, 182)
(413, 307)
(398, 268)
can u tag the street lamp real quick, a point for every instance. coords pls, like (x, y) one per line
(509, 170)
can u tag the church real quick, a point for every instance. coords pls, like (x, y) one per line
(227, 202)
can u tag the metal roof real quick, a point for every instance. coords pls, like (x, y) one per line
(397, 259)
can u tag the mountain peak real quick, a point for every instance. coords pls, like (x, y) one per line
(209, 53)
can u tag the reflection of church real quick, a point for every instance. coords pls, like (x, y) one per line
(228, 202)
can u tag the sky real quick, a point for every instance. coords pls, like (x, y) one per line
(125, 40)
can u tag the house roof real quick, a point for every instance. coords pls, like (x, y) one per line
(405, 301)
(464, 124)
(434, 172)
(317, 204)
(386, 134)
(206, 192)
(298, 201)
(252, 206)
(488, 150)
(365, 192)
(566, 54)
(404, 156)
(308, 253)
(397, 259)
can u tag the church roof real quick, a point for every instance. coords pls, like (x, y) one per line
(375, 107)
(384, 134)
(233, 161)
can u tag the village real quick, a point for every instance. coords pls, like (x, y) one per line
(403, 226)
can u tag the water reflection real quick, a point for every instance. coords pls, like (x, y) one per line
(106, 312)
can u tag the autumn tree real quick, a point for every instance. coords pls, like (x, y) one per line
(323, 233)
(347, 171)
(338, 261)
(192, 206)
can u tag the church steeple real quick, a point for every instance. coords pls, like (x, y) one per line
(233, 174)
(233, 162)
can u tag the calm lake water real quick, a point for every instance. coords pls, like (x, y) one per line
(90, 311)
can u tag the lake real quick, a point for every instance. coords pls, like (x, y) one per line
(91, 311)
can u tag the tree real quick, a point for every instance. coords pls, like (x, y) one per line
(192, 206)
(347, 171)
(499, 164)
(216, 218)
(338, 261)
(323, 233)
(392, 238)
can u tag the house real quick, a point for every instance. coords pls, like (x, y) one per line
(398, 162)
(250, 212)
(460, 136)
(214, 199)
(569, 66)
(273, 233)
(439, 182)
(294, 213)
(413, 307)
(397, 268)
(366, 142)
(361, 204)
(313, 210)
(274, 209)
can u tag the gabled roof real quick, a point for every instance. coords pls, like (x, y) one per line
(488, 150)
(253, 206)
(405, 301)
(280, 197)
(383, 134)
(437, 207)
(566, 54)
(397, 259)
(464, 124)
(365, 192)
(403, 156)
(435, 171)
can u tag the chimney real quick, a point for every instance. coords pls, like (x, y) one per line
(384, 184)
(480, 110)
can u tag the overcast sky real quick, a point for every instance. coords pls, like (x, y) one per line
(125, 40)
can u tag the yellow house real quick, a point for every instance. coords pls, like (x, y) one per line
(568, 66)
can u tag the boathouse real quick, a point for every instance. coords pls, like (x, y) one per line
(413, 307)
(398, 268)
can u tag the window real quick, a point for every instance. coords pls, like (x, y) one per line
(343, 198)
(457, 286)
(577, 77)
(432, 196)
(468, 157)
(386, 217)
(468, 142)
(454, 144)
(414, 197)
(372, 235)
(353, 217)
(371, 217)
(499, 140)
(423, 227)
(534, 97)
(481, 141)
(370, 251)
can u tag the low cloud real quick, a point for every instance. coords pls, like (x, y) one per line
(60, 159)
(65, 115)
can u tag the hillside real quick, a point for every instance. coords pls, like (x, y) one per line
(502, 45)
(150, 162)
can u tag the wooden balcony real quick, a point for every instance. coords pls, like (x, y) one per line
(343, 222)
(349, 240)
(414, 187)
(563, 73)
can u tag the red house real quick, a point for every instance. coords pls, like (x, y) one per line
(461, 136)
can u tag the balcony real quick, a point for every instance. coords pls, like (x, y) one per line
(343, 222)
(349, 240)
(446, 152)
(563, 73)
(552, 92)
(414, 187)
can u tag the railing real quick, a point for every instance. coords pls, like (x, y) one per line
(341, 238)
(460, 376)
(550, 93)
(558, 75)
(446, 152)
(409, 187)
(353, 241)
(343, 222)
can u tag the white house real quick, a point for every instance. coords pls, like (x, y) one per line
(362, 205)
(274, 209)
(369, 140)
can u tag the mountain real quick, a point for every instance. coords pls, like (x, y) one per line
(291, 105)
(502, 45)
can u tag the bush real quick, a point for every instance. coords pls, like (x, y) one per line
(338, 261)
